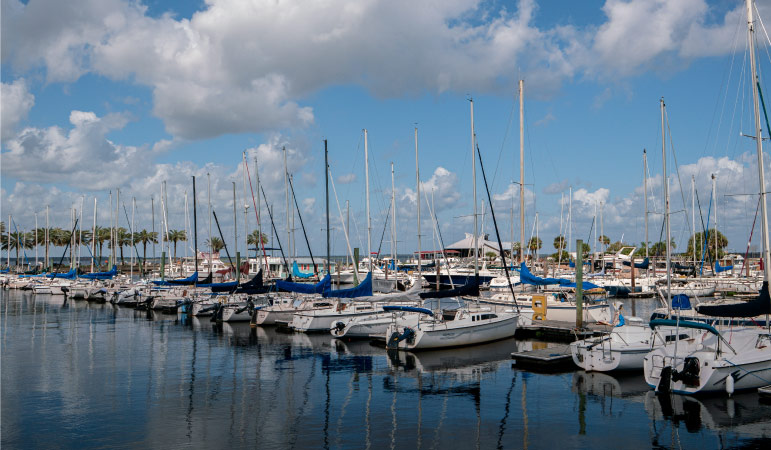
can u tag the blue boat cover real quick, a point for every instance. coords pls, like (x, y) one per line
(304, 288)
(719, 269)
(681, 301)
(362, 290)
(643, 265)
(408, 309)
(71, 275)
(192, 279)
(758, 306)
(573, 264)
(296, 271)
(221, 287)
(585, 285)
(469, 289)
(101, 275)
(528, 278)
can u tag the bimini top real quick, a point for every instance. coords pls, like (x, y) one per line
(684, 324)
(408, 309)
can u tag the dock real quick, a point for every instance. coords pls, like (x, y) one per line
(550, 359)
(556, 331)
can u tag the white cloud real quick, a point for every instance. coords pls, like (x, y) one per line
(347, 178)
(16, 103)
(82, 156)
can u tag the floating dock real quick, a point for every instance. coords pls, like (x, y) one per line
(556, 331)
(550, 359)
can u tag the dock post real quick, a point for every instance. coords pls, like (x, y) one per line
(238, 267)
(163, 265)
(579, 283)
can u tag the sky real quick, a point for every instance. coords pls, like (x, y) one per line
(107, 95)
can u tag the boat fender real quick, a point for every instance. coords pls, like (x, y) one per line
(729, 385)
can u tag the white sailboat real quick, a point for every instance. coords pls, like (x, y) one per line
(736, 357)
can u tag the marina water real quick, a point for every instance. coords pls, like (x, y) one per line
(86, 375)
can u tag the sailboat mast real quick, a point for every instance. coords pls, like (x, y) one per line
(474, 186)
(235, 228)
(326, 187)
(369, 219)
(36, 241)
(714, 195)
(645, 196)
(246, 213)
(666, 209)
(93, 238)
(521, 168)
(258, 214)
(693, 216)
(133, 233)
(80, 232)
(211, 240)
(195, 227)
(286, 191)
(759, 145)
(393, 217)
(47, 237)
(417, 201)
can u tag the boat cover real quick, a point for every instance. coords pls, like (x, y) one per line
(296, 271)
(362, 290)
(758, 306)
(305, 288)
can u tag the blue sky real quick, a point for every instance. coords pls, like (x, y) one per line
(123, 95)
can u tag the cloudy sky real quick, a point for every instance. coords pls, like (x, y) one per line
(100, 95)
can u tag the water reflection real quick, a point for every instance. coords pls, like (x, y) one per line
(92, 375)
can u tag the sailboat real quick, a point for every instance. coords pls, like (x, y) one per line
(737, 357)
(467, 325)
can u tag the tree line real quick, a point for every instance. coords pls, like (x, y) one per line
(58, 237)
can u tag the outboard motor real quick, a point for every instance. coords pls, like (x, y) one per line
(690, 373)
(338, 328)
(396, 337)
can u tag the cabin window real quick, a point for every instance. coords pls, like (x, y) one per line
(473, 318)
(487, 316)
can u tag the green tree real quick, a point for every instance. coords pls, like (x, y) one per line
(699, 238)
(102, 235)
(616, 246)
(146, 237)
(253, 238)
(216, 244)
(175, 236)
(534, 244)
(604, 240)
(124, 240)
(491, 255)
(19, 241)
(660, 248)
(559, 243)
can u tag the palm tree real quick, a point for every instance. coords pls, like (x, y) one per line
(146, 237)
(534, 244)
(216, 244)
(559, 243)
(102, 234)
(175, 236)
(253, 238)
(124, 240)
(19, 240)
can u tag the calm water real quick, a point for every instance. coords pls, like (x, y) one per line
(87, 375)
